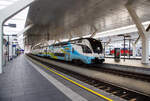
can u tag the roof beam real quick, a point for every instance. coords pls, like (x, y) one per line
(135, 19)
(25, 29)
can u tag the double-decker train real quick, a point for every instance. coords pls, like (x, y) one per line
(85, 50)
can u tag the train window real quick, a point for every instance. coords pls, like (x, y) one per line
(80, 41)
(86, 49)
(59, 54)
(45, 51)
(96, 45)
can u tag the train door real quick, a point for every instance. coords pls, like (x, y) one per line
(67, 53)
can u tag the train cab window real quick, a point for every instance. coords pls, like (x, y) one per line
(80, 41)
(96, 45)
(86, 49)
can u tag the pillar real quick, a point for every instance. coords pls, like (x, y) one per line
(1, 48)
(145, 49)
(142, 32)
(134, 50)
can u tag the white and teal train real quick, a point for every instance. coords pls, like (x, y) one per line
(85, 50)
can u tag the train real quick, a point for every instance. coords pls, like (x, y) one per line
(85, 50)
(123, 52)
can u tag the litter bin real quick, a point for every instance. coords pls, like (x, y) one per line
(117, 54)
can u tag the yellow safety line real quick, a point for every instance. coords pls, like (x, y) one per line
(96, 93)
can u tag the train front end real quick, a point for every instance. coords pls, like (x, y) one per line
(97, 48)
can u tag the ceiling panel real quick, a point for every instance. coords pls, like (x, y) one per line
(58, 18)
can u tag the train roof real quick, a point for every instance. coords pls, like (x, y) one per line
(82, 39)
(66, 42)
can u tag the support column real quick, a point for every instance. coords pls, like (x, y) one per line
(8, 48)
(145, 49)
(1, 48)
(136, 20)
(7, 13)
(134, 50)
(142, 32)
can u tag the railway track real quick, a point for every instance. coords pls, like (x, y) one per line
(125, 93)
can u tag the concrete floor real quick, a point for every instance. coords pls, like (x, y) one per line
(127, 62)
(21, 82)
(24, 81)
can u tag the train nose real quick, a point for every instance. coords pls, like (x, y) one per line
(98, 60)
(95, 60)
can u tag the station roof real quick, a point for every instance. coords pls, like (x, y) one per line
(61, 19)
(15, 24)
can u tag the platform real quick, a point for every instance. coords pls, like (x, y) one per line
(129, 65)
(127, 62)
(22, 80)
